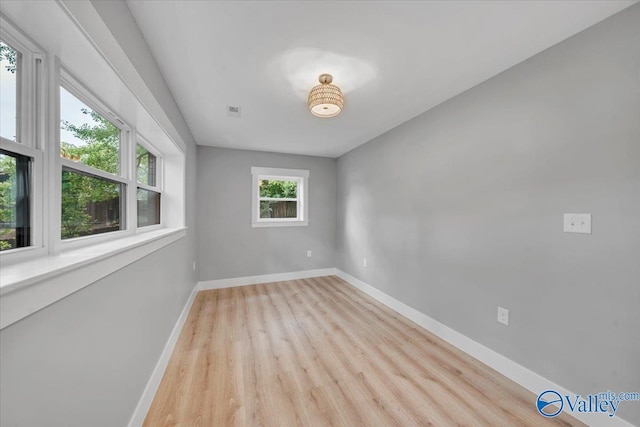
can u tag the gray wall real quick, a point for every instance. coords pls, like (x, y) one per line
(85, 360)
(459, 211)
(227, 244)
(470, 218)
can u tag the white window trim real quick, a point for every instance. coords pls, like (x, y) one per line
(300, 175)
(140, 140)
(29, 134)
(158, 188)
(50, 269)
(82, 93)
(37, 246)
(31, 82)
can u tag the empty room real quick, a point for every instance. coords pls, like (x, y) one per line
(319, 213)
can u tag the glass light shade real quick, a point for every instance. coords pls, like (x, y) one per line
(326, 100)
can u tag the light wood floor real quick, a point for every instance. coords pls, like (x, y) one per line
(319, 352)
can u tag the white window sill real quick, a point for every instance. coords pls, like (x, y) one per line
(280, 224)
(28, 286)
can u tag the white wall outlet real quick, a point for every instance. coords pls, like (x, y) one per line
(194, 266)
(364, 262)
(309, 253)
(577, 223)
(503, 316)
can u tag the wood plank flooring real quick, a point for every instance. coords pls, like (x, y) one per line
(318, 352)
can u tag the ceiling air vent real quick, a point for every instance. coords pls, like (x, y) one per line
(233, 111)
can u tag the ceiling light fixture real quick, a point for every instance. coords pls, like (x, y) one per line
(326, 100)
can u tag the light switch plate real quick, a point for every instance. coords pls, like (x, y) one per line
(577, 223)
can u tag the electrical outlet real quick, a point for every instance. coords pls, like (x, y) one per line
(309, 253)
(194, 266)
(364, 262)
(577, 223)
(503, 316)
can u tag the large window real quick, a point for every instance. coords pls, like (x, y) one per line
(74, 171)
(93, 190)
(12, 166)
(279, 197)
(18, 144)
(79, 184)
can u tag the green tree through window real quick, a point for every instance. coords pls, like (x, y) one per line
(81, 193)
(278, 198)
(8, 54)
(7, 202)
(8, 57)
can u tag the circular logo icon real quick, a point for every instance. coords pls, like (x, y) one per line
(549, 403)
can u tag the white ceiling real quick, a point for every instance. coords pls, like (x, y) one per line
(394, 60)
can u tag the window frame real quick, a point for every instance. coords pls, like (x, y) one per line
(30, 134)
(73, 85)
(158, 188)
(35, 199)
(299, 175)
(39, 79)
(36, 276)
(26, 82)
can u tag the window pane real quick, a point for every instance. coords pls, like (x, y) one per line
(145, 166)
(274, 209)
(15, 205)
(148, 207)
(278, 189)
(9, 63)
(90, 205)
(86, 136)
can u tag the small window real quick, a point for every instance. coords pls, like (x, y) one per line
(149, 193)
(9, 78)
(279, 197)
(15, 203)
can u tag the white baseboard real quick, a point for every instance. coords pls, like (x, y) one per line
(510, 369)
(265, 278)
(156, 376)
